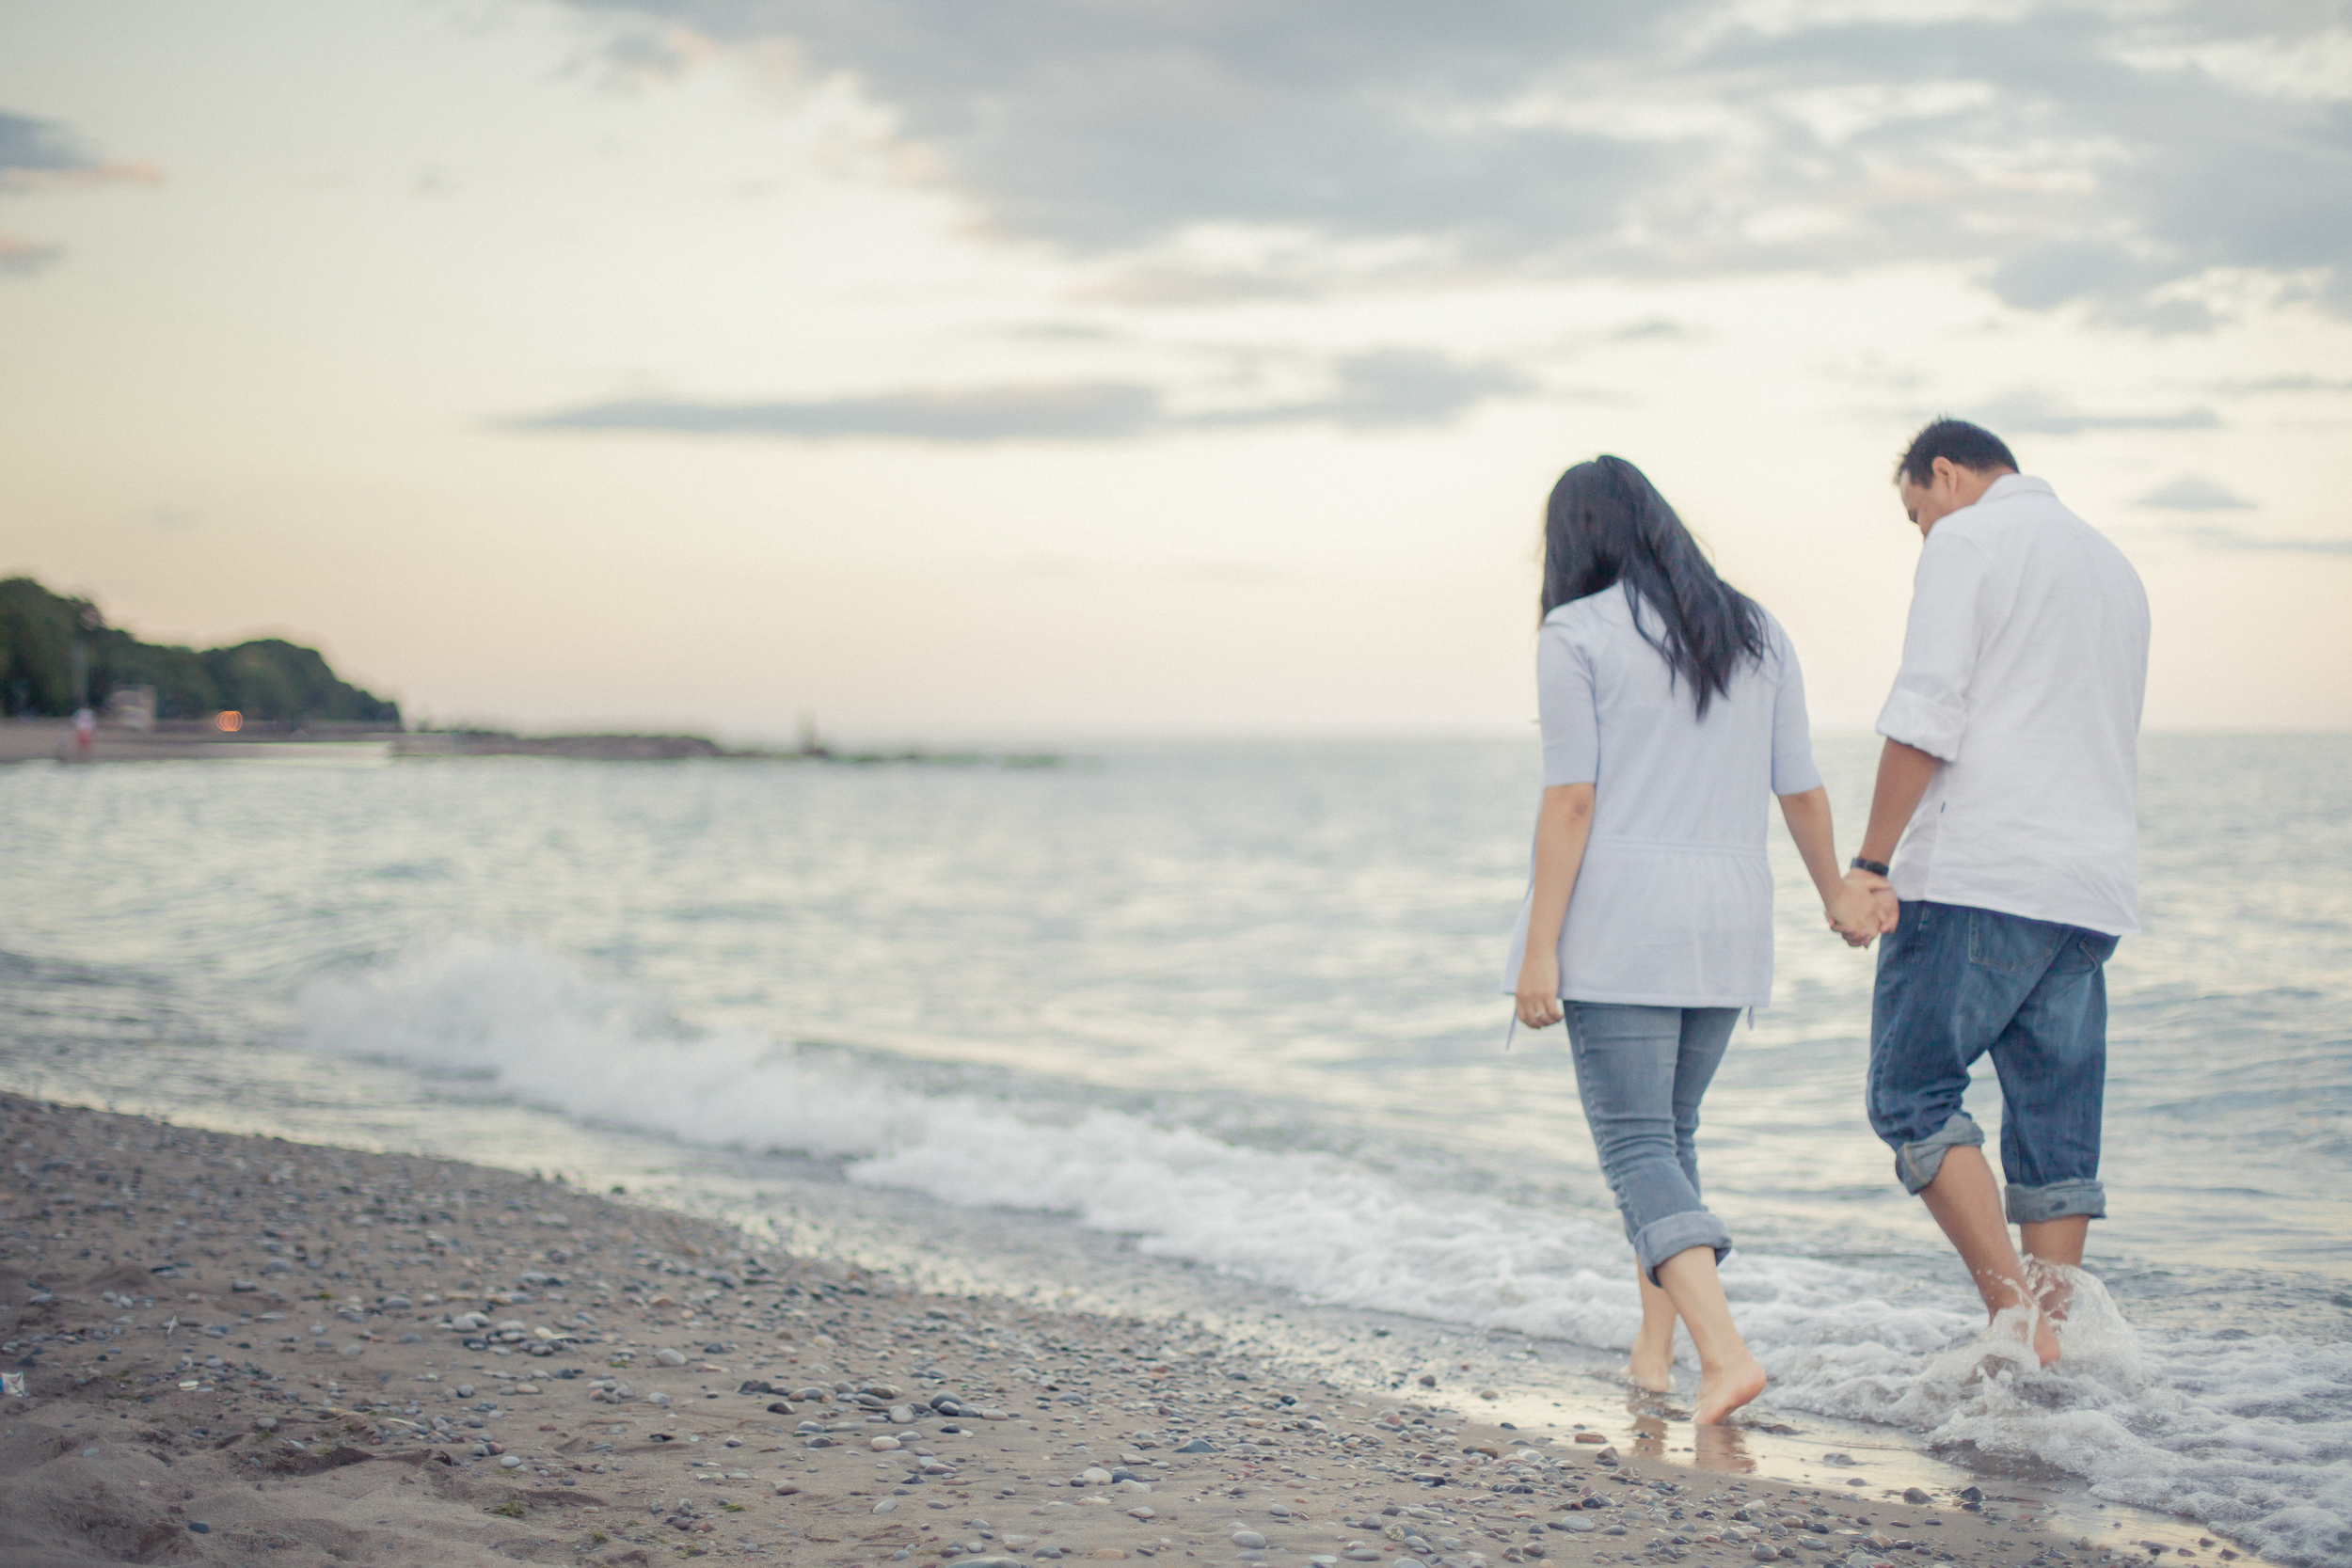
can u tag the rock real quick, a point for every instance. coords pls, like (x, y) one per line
(885, 1506)
(265, 1423)
(200, 1529)
(1429, 1380)
(242, 1285)
(1488, 1394)
(883, 1445)
(1915, 1495)
(901, 1415)
(656, 1397)
(670, 1357)
(1590, 1437)
(509, 1462)
(1199, 1445)
(464, 1390)
(1250, 1541)
(1763, 1553)
(1580, 1527)
(788, 1489)
(1094, 1475)
(412, 1338)
(1606, 1456)
(818, 1443)
(1142, 1513)
(780, 1408)
(880, 1390)
(354, 1349)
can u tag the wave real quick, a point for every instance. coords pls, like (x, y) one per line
(2248, 1433)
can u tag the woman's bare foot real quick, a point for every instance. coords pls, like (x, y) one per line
(1724, 1389)
(1650, 1367)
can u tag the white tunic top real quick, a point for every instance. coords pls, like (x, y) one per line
(2025, 664)
(1673, 906)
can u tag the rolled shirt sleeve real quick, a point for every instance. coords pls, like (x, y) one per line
(1793, 772)
(1929, 707)
(1571, 721)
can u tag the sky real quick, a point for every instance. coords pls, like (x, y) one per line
(1061, 367)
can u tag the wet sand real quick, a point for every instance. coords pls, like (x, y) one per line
(242, 1350)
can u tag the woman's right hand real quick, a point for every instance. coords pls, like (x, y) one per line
(1538, 994)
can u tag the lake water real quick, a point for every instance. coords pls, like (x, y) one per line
(1215, 1029)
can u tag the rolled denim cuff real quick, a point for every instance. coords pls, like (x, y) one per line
(1916, 1164)
(1677, 1233)
(2058, 1200)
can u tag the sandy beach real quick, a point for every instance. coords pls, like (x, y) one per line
(239, 1350)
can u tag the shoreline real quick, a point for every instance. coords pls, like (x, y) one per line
(639, 1386)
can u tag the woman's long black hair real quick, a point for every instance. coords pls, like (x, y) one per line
(1607, 524)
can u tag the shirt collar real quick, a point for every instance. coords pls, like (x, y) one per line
(2015, 484)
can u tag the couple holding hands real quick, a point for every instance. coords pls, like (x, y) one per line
(1999, 865)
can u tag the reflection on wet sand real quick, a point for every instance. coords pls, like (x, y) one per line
(1712, 1447)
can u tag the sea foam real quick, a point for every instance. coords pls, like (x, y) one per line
(2252, 1434)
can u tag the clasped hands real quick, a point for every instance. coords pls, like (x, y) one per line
(1863, 910)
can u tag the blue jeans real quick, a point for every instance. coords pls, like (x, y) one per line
(1640, 1073)
(1955, 982)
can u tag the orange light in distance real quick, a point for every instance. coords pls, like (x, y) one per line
(229, 719)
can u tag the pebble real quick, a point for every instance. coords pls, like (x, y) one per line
(884, 1444)
(1094, 1475)
(1250, 1541)
(509, 1462)
(1199, 1445)
(886, 1505)
(669, 1358)
(1915, 1495)
(200, 1529)
(1764, 1553)
(464, 1390)
(1142, 1513)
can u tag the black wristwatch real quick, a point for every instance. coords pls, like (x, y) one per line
(1876, 868)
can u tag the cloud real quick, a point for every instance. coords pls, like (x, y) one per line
(2113, 157)
(1386, 389)
(2031, 413)
(2283, 384)
(1076, 411)
(22, 258)
(37, 155)
(2190, 493)
(2219, 537)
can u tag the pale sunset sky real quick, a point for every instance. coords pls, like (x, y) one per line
(1060, 367)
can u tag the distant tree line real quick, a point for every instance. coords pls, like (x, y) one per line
(269, 679)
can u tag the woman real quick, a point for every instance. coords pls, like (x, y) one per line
(1671, 704)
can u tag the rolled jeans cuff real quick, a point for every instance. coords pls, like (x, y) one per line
(1917, 1163)
(2058, 1200)
(1666, 1238)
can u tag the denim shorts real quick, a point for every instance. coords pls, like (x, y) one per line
(1955, 982)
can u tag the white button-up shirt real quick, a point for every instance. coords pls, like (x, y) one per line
(1673, 906)
(2024, 664)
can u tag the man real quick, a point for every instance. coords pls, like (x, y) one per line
(2010, 777)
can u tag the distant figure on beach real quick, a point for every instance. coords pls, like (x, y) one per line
(1672, 705)
(85, 733)
(2011, 778)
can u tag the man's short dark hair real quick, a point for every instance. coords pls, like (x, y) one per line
(1967, 445)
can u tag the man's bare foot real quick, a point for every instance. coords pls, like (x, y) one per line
(2045, 1337)
(1724, 1389)
(2053, 1286)
(1650, 1370)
